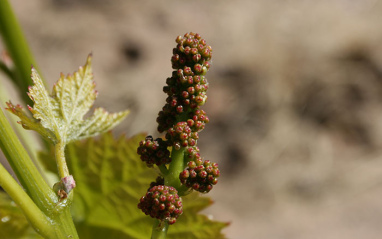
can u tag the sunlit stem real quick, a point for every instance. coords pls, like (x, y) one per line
(62, 167)
(28, 175)
(171, 178)
(160, 229)
(163, 169)
(65, 227)
(17, 46)
(30, 143)
(175, 168)
(35, 216)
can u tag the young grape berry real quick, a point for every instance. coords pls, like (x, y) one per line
(154, 151)
(162, 202)
(199, 175)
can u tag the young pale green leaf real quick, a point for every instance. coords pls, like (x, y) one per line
(29, 122)
(13, 224)
(110, 180)
(59, 116)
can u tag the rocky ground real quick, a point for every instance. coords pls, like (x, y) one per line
(295, 99)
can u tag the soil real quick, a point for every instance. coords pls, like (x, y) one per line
(295, 99)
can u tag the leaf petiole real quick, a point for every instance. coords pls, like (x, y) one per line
(62, 167)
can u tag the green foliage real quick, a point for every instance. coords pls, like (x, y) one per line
(59, 116)
(110, 179)
(13, 224)
(192, 224)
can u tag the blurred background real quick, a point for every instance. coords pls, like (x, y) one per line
(295, 99)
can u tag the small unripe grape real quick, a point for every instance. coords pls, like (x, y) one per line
(162, 202)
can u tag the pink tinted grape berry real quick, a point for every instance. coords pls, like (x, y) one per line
(191, 49)
(154, 151)
(197, 120)
(166, 118)
(199, 175)
(162, 202)
(181, 135)
(186, 88)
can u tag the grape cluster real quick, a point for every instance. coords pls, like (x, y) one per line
(154, 151)
(181, 135)
(197, 120)
(199, 175)
(162, 202)
(190, 51)
(181, 119)
(186, 88)
(192, 153)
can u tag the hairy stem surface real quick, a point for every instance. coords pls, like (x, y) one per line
(62, 167)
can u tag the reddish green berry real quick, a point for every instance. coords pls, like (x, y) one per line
(192, 153)
(191, 49)
(198, 120)
(162, 202)
(154, 151)
(166, 118)
(199, 175)
(181, 135)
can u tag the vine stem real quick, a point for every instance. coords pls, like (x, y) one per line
(35, 216)
(159, 230)
(26, 172)
(176, 166)
(62, 167)
(30, 143)
(17, 47)
(171, 178)
(38, 200)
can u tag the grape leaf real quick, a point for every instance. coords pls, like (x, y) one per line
(59, 116)
(13, 224)
(110, 180)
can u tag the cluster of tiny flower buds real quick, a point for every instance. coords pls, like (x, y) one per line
(192, 153)
(185, 92)
(200, 175)
(162, 202)
(154, 151)
(197, 120)
(191, 50)
(181, 135)
(181, 119)
(186, 88)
